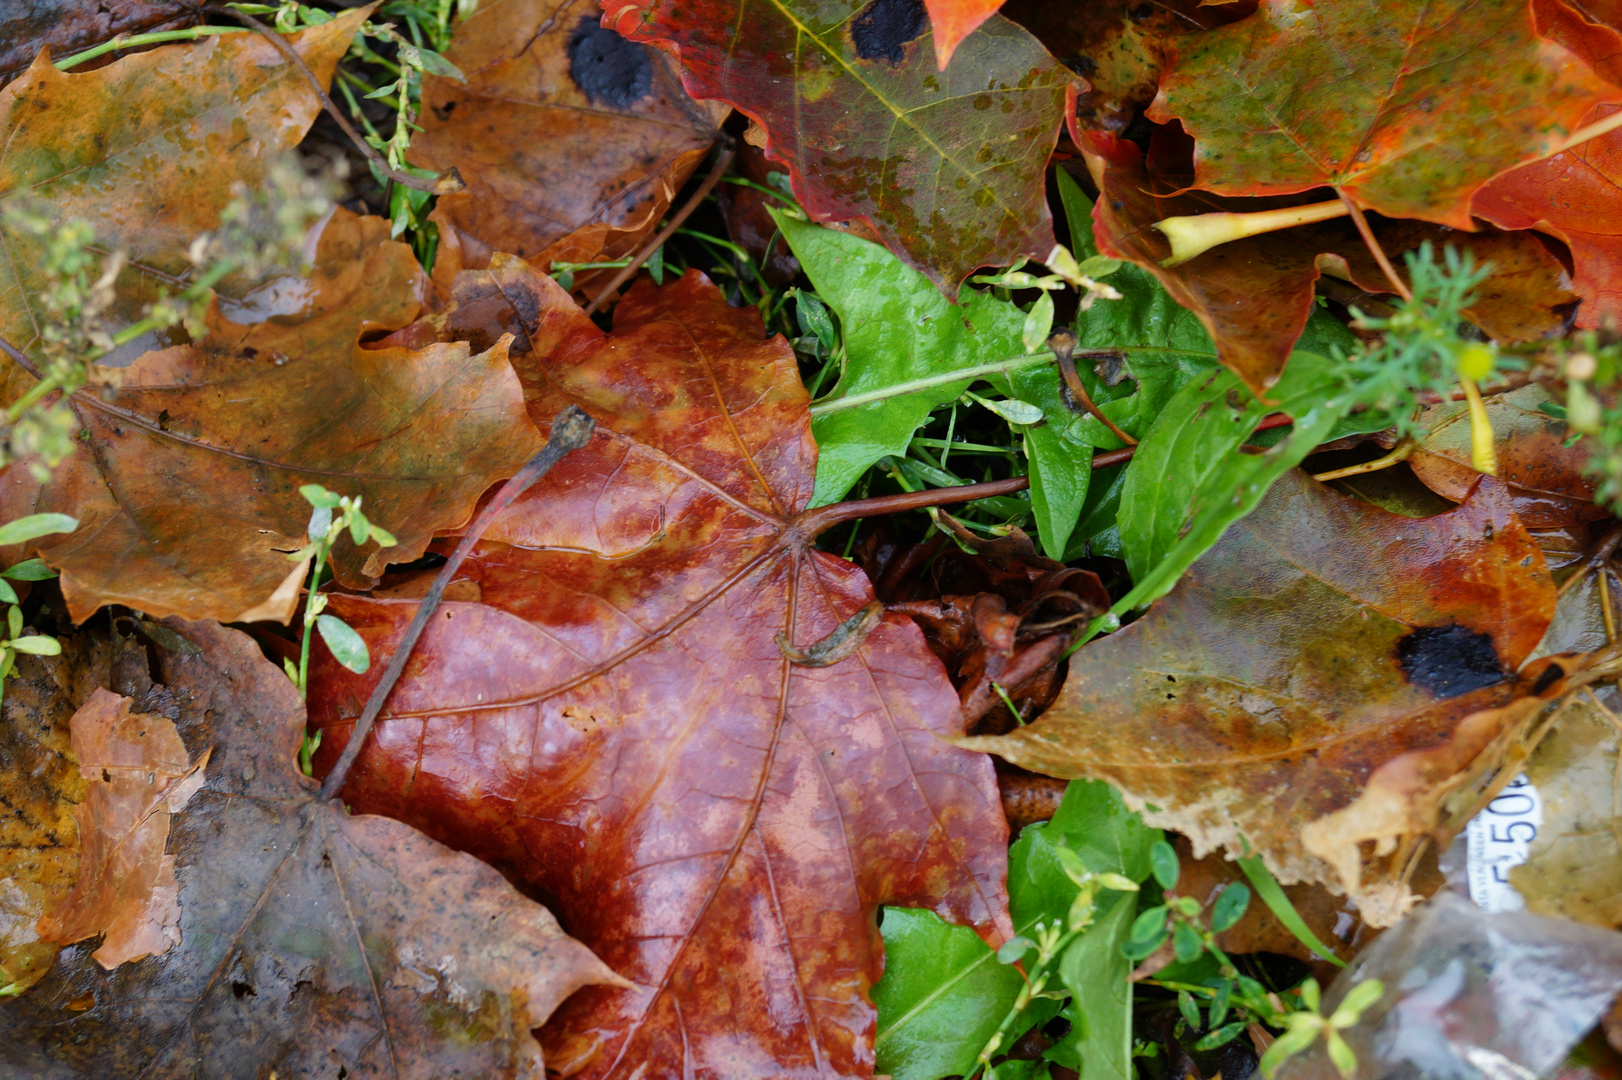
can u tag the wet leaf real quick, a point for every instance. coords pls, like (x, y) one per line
(616, 725)
(945, 165)
(1256, 295)
(572, 140)
(190, 498)
(1572, 195)
(943, 992)
(1291, 663)
(310, 939)
(114, 147)
(67, 27)
(140, 776)
(1406, 108)
(954, 20)
(1544, 475)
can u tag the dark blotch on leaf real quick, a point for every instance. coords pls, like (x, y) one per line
(1446, 661)
(609, 69)
(885, 26)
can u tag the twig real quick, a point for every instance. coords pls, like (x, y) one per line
(1597, 556)
(1063, 344)
(445, 183)
(19, 357)
(1374, 247)
(571, 430)
(719, 170)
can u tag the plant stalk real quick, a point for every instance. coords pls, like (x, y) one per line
(1195, 234)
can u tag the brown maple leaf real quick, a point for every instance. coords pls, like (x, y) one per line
(1324, 653)
(311, 941)
(187, 487)
(616, 724)
(572, 140)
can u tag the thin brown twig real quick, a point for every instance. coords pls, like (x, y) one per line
(1374, 247)
(445, 183)
(19, 357)
(718, 171)
(1063, 344)
(571, 429)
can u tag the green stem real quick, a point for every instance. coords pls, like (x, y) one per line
(309, 619)
(39, 390)
(157, 37)
(911, 386)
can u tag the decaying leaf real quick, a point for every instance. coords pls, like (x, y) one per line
(1544, 475)
(1574, 867)
(616, 725)
(1319, 641)
(311, 941)
(1572, 195)
(1407, 108)
(945, 165)
(140, 776)
(1254, 295)
(572, 140)
(146, 150)
(187, 490)
(68, 26)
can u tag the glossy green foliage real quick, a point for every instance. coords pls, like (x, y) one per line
(943, 991)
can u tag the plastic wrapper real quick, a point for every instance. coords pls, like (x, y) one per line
(1472, 996)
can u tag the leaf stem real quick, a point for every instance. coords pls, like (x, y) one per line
(1195, 234)
(1063, 344)
(996, 367)
(1589, 131)
(1401, 452)
(157, 37)
(571, 429)
(1374, 247)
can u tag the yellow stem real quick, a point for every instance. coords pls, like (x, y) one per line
(1400, 452)
(1198, 233)
(1483, 458)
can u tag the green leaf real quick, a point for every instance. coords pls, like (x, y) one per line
(1190, 1011)
(1163, 861)
(1272, 894)
(813, 316)
(1099, 1043)
(320, 524)
(29, 570)
(1220, 1036)
(1230, 907)
(1014, 949)
(359, 528)
(8, 594)
(1137, 950)
(38, 645)
(34, 526)
(942, 995)
(1186, 943)
(316, 495)
(1038, 323)
(1149, 922)
(347, 646)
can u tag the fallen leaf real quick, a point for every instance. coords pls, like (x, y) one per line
(1574, 867)
(1318, 640)
(1543, 474)
(945, 165)
(1406, 108)
(1254, 296)
(1589, 30)
(1572, 195)
(115, 146)
(954, 20)
(67, 27)
(140, 776)
(313, 941)
(616, 725)
(572, 140)
(187, 492)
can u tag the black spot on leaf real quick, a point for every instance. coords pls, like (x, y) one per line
(885, 26)
(610, 70)
(1446, 661)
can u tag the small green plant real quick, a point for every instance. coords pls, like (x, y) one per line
(15, 641)
(1066, 271)
(1305, 1026)
(1049, 944)
(331, 517)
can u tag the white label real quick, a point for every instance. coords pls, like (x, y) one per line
(1497, 839)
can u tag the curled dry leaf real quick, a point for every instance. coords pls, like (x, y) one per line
(1543, 474)
(946, 165)
(187, 492)
(616, 725)
(1318, 641)
(572, 140)
(140, 776)
(1254, 295)
(114, 146)
(1406, 107)
(312, 940)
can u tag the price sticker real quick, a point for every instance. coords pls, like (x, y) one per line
(1497, 839)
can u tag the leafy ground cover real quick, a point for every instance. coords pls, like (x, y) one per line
(870, 538)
